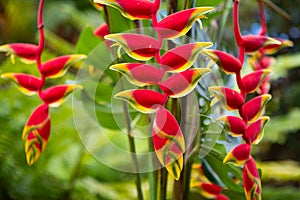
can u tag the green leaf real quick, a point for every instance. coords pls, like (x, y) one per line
(87, 41)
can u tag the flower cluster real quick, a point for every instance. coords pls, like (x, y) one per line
(173, 76)
(205, 187)
(250, 124)
(37, 129)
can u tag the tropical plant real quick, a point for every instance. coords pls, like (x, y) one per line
(170, 122)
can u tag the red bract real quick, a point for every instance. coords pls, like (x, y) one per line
(27, 84)
(251, 178)
(181, 84)
(139, 74)
(28, 52)
(168, 142)
(178, 24)
(273, 48)
(229, 98)
(58, 66)
(235, 125)
(252, 43)
(225, 61)
(253, 108)
(238, 155)
(102, 31)
(182, 57)
(221, 197)
(145, 101)
(54, 96)
(133, 9)
(36, 133)
(139, 47)
(252, 81)
(254, 132)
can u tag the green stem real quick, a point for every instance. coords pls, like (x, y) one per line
(132, 147)
(153, 175)
(163, 184)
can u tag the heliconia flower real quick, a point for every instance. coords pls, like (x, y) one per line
(138, 46)
(265, 86)
(179, 23)
(168, 142)
(227, 62)
(234, 125)
(229, 98)
(145, 101)
(197, 169)
(271, 49)
(133, 9)
(58, 66)
(207, 190)
(264, 62)
(55, 96)
(252, 81)
(181, 84)
(252, 110)
(238, 155)
(254, 132)
(26, 83)
(221, 197)
(139, 74)
(251, 179)
(101, 31)
(182, 57)
(27, 52)
(252, 43)
(36, 133)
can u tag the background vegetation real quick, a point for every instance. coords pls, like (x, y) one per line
(67, 171)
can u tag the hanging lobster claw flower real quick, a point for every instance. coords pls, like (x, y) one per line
(252, 81)
(234, 125)
(145, 101)
(255, 131)
(58, 66)
(181, 84)
(133, 9)
(238, 155)
(101, 31)
(264, 62)
(227, 62)
(36, 133)
(229, 98)
(168, 142)
(265, 86)
(27, 52)
(55, 96)
(138, 46)
(271, 49)
(139, 74)
(252, 43)
(179, 23)
(251, 179)
(252, 110)
(182, 57)
(207, 190)
(221, 197)
(26, 83)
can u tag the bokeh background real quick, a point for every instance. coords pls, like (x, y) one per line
(67, 171)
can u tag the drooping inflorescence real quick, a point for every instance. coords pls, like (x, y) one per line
(37, 129)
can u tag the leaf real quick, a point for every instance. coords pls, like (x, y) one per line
(215, 161)
(87, 41)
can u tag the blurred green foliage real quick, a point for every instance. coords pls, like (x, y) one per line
(66, 170)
